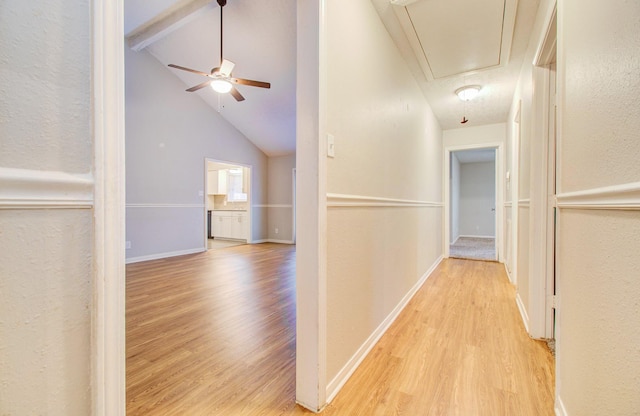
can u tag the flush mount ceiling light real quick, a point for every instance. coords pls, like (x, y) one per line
(221, 86)
(468, 92)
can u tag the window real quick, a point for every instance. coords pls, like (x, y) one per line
(235, 188)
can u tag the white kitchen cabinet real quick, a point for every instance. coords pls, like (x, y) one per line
(212, 182)
(229, 224)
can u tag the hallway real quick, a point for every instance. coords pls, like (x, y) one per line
(213, 334)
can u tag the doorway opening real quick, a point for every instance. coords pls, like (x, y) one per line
(472, 204)
(228, 204)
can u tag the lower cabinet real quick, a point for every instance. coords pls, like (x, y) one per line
(228, 224)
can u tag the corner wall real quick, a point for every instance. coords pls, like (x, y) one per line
(169, 133)
(280, 197)
(384, 185)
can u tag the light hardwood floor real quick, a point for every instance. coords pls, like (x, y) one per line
(214, 334)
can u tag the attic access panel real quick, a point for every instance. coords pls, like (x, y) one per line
(453, 37)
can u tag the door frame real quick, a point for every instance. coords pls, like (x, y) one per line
(249, 205)
(543, 148)
(499, 180)
(108, 359)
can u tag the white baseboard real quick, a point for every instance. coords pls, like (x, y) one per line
(476, 236)
(163, 255)
(506, 269)
(523, 312)
(270, 240)
(350, 367)
(559, 408)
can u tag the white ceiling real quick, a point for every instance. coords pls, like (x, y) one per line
(462, 42)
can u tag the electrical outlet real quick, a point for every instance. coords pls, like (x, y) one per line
(277, 231)
(127, 245)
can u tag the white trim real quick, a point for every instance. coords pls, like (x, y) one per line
(270, 240)
(165, 255)
(350, 367)
(35, 189)
(108, 304)
(344, 200)
(273, 240)
(165, 205)
(477, 236)
(508, 204)
(525, 203)
(559, 408)
(523, 312)
(272, 206)
(625, 196)
(499, 162)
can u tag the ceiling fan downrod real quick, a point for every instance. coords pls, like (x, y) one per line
(221, 3)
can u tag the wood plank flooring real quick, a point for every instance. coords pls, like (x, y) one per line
(214, 334)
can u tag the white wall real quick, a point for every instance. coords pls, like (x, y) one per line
(454, 180)
(387, 145)
(468, 136)
(280, 196)
(169, 133)
(46, 254)
(477, 199)
(598, 361)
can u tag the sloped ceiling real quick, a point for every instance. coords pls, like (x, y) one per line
(259, 37)
(446, 43)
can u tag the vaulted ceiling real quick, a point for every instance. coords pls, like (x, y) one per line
(446, 43)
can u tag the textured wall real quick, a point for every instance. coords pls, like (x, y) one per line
(169, 133)
(45, 74)
(45, 254)
(598, 360)
(388, 145)
(465, 136)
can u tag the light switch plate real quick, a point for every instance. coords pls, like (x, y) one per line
(331, 146)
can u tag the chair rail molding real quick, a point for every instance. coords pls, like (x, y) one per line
(36, 189)
(624, 197)
(344, 200)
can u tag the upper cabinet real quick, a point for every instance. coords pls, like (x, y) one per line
(217, 182)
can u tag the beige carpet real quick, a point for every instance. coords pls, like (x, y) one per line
(474, 248)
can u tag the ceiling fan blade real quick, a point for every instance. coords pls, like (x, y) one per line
(226, 67)
(199, 86)
(189, 70)
(250, 82)
(236, 94)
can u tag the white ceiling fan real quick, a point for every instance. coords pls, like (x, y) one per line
(221, 79)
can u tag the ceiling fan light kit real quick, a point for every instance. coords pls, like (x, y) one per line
(468, 92)
(221, 80)
(221, 86)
